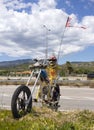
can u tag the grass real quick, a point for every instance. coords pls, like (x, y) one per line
(46, 119)
(76, 83)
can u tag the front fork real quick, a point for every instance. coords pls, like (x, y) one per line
(32, 91)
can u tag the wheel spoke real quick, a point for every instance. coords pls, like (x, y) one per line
(18, 104)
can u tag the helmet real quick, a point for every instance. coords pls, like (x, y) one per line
(52, 61)
(52, 58)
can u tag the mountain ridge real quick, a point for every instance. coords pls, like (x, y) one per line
(15, 62)
(25, 61)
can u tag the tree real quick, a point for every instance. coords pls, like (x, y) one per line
(69, 67)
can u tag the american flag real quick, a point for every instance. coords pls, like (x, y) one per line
(68, 24)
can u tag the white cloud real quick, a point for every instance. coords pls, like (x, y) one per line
(92, 0)
(16, 4)
(23, 34)
(73, 48)
(47, 4)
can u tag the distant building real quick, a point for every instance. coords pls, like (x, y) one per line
(90, 76)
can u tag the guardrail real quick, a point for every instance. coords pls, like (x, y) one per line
(65, 82)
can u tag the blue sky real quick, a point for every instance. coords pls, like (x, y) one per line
(85, 55)
(23, 34)
(80, 7)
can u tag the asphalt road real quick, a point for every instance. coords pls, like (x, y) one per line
(71, 98)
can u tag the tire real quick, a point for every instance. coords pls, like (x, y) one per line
(55, 98)
(19, 107)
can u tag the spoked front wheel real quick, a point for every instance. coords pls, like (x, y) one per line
(19, 105)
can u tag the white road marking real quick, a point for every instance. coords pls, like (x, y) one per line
(66, 97)
(4, 106)
(76, 98)
(89, 98)
(5, 95)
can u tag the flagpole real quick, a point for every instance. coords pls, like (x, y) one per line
(62, 40)
(61, 44)
(66, 25)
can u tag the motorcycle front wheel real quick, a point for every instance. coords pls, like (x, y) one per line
(19, 107)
